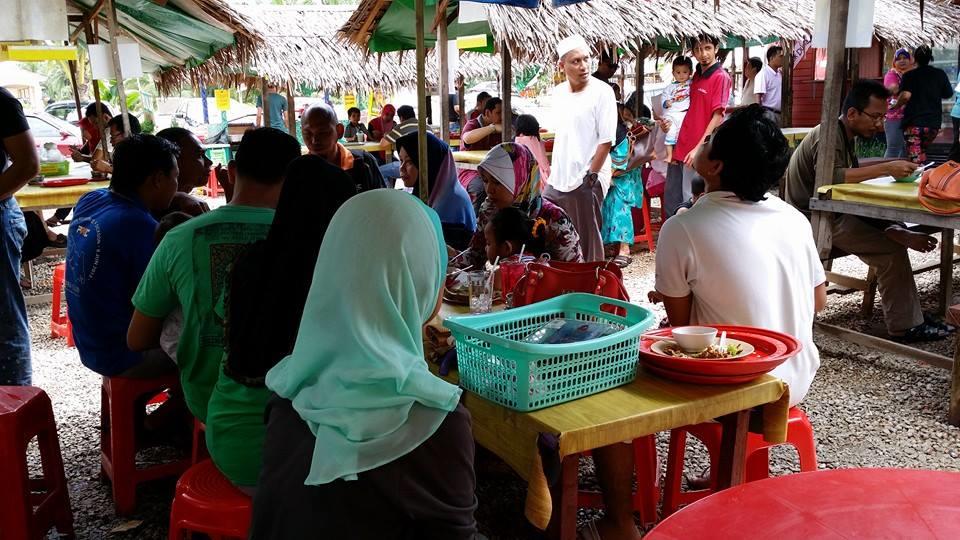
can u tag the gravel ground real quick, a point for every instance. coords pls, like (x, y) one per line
(868, 408)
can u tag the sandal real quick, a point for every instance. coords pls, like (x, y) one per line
(53, 221)
(923, 332)
(60, 242)
(934, 321)
(622, 261)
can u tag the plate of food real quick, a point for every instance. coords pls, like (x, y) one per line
(769, 350)
(733, 350)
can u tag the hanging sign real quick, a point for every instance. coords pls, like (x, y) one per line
(101, 61)
(222, 96)
(859, 24)
(349, 100)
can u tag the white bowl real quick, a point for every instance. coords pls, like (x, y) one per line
(694, 338)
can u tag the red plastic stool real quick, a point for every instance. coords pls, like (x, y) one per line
(213, 188)
(118, 445)
(206, 502)
(59, 321)
(29, 507)
(643, 220)
(799, 435)
(646, 467)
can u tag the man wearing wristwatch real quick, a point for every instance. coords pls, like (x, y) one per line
(585, 119)
(481, 133)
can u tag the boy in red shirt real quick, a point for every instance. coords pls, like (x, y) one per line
(709, 94)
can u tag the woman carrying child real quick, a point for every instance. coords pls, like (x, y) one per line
(511, 178)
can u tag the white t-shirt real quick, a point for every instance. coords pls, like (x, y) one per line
(751, 264)
(582, 121)
(768, 82)
(749, 96)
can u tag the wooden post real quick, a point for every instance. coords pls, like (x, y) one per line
(829, 127)
(786, 89)
(263, 99)
(115, 47)
(506, 91)
(291, 109)
(91, 39)
(422, 102)
(76, 89)
(854, 65)
(444, 78)
(638, 73)
(462, 100)
(745, 50)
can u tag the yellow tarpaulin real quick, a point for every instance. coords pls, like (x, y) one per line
(38, 198)
(647, 405)
(899, 195)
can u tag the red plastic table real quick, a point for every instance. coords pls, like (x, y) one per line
(841, 503)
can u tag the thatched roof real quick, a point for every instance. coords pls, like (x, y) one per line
(181, 41)
(531, 34)
(300, 43)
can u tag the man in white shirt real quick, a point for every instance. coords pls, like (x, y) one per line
(740, 256)
(585, 120)
(767, 84)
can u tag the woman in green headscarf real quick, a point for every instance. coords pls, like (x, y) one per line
(362, 440)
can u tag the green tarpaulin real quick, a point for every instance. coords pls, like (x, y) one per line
(396, 30)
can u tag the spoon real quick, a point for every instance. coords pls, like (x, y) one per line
(723, 340)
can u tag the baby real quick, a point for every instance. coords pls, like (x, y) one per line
(676, 100)
(697, 187)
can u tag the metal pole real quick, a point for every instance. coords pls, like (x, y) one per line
(506, 92)
(422, 102)
(444, 78)
(829, 127)
(115, 47)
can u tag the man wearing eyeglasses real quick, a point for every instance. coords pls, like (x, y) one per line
(880, 244)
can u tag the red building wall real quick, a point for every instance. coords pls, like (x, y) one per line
(808, 92)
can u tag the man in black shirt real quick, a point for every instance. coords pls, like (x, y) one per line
(923, 90)
(18, 163)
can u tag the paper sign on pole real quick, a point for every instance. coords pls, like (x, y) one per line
(101, 61)
(859, 24)
(222, 95)
(349, 100)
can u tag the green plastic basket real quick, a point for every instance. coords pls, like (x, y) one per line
(495, 364)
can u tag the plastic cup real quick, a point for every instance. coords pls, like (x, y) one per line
(511, 270)
(481, 291)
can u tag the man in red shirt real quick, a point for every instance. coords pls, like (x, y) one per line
(709, 94)
(482, 133)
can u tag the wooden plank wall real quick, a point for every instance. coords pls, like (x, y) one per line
(808, 93)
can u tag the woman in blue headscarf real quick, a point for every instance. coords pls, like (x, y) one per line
(447, 197)
(362, 440)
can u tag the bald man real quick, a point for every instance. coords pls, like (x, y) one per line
(319, 130)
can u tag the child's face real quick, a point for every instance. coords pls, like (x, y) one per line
(495, 248)
(355, 118)
(681, 74)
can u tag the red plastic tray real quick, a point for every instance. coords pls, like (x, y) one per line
(772, 349)
(64, 182)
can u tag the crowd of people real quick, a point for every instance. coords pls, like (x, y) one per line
(318, 411)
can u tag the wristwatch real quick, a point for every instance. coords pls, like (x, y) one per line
(590, 178)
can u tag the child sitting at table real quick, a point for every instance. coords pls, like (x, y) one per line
(511, 230)
(528, 134)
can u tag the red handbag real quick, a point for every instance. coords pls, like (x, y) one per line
(542, 282)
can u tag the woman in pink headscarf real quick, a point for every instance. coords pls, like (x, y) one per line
(511, 178)
(382, 124)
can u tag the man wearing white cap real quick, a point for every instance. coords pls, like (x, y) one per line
(585, 120)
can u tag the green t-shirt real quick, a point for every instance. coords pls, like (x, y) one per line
(277, 107)
(235, 429)
(189, 270)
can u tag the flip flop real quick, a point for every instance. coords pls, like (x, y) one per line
(622, 261)
(922, 333)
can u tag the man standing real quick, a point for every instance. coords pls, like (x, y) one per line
(709, 94)
(189, 268)
(880, 244)
(607, 68)
(276, 105)
(18, 164)
(319, 130)
(585, 118)
(768, 82)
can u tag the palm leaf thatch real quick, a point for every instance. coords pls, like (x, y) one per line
(300, 45)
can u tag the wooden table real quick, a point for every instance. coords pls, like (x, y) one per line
(841, 503)
(46, 198)
(898, 202)
(469, 159)
(795, 134)
(647, 405)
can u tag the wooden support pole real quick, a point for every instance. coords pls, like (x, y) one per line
(638, 82)
(291, 109)
(422, 101)
(91, 37)
(114, 29)
(829, 126)
(264, 95)
(76, 88)
(444, 78)
(786, 89)
(506, 92)
(462, 100)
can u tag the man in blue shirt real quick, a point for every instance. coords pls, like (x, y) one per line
(276, 106)
(110, 243)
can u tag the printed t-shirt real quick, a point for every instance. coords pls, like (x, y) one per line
(277, 107)
(750, 264)
(709, 93)
(189, 270)
(583, 120)
(109, 244)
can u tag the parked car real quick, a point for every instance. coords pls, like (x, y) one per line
(66, 110)
(47, 128)
(188, 113)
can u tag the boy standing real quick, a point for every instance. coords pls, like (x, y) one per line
(676, 100)
(709, 94)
